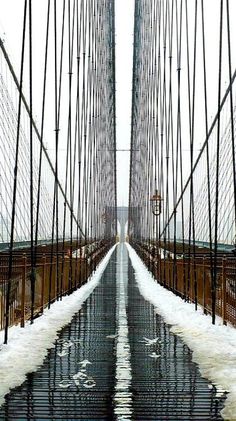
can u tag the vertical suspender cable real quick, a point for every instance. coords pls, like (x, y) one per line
(214, 279)
(231, 115)
(32, 245)
(8, 292)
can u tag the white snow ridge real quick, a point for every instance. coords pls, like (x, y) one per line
(27, 348)
(123, 396)
(213, 346)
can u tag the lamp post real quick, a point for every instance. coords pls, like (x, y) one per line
(156, 211)
(156, 203)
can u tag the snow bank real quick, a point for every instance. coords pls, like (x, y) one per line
(213, 346)
(27, 348)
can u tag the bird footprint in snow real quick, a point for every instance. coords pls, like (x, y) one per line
(154, 355)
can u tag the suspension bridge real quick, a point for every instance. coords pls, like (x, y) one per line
(66, 239)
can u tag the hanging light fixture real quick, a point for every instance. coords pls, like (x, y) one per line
(156, 203)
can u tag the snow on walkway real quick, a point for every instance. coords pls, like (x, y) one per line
(27, 348)
(213, 346)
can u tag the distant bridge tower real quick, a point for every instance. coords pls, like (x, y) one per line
(122, 217)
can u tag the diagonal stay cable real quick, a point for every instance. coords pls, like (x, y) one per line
(36, 130)
(203, 148)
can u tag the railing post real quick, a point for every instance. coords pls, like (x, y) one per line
(60, 276)
(159, 266)
(43, 284)
(204, 285)
(191, 279)
(224, 304)
(22, 322)
(183, 289)
(55, 277)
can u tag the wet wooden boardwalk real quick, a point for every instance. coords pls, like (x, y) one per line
(80, 378)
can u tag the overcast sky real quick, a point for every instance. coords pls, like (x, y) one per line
(124, 55)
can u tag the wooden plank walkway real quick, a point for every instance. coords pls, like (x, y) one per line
(78, 380)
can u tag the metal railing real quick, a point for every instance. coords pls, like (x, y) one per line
(54, 278)
(191, 279)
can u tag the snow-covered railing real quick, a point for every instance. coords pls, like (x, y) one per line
(191, 278)
(56, 276)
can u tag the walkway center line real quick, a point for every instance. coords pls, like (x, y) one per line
(123, 396)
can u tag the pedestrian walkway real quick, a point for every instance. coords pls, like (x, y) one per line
(117, 360)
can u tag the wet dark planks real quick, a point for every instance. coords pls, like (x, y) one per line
(166, 388)
(41, 396)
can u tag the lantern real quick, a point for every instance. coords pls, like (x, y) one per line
(156, 203)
